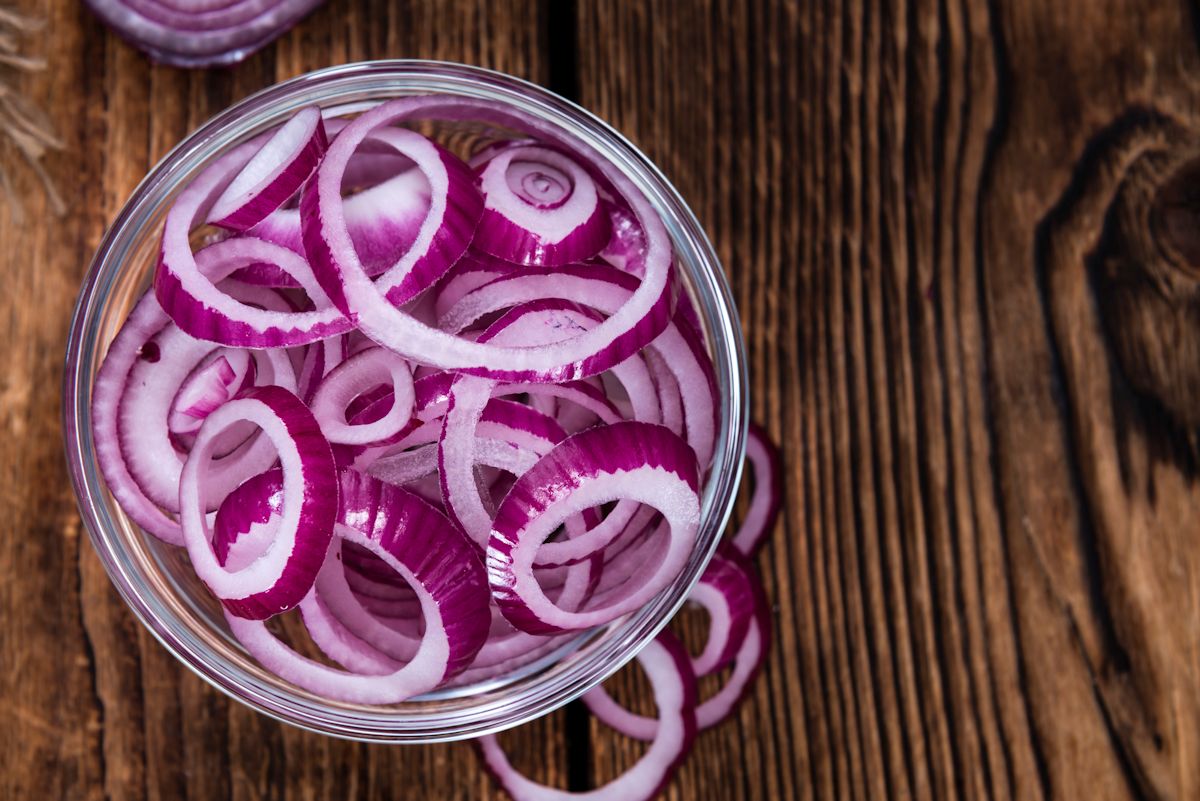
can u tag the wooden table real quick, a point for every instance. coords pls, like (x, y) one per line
(963, 237)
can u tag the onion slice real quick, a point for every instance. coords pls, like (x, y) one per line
(665, 662)
(208, 387)
(284, 574)
(444, 235)
(421, 545)
(749, 655)
(540, 208)
(274, 174)
(765, 502)
(361, 372)
(328, 245)
(132, 344)
(627, 460)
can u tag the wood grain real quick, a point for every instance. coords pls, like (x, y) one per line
(978, 347)
(963, 236)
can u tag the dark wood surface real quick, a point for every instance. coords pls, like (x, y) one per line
(963, 236)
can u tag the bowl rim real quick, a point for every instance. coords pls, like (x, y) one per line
(214, 136)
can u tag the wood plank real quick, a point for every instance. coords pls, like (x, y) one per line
(985, 585)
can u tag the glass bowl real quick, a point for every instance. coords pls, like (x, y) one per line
(156, 580)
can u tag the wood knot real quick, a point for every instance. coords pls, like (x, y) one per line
(1148, 278)
(1175, 219)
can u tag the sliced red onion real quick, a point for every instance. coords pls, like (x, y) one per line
(339, 643)
(625, 520)
(579, 394)
(470, 272)
(726, 591)
(626, 250)
(765, 502)
(319, 359)
(468, 403)
(750, 651)
(349, 380)
(383, 222)
(747, 664)
(570, 588)
(185, 284)
(469, 397)
(366, 563)
(357, 616)
(665, 663)
(627, 460)
(523, 653)
(549, 320)
(540, 208)
(490, 150)
(389, 588)
(223, 376)
(283, 575)
(405, 468)
(606, 290)
(446, 231)
(417, 433)
(274, 174)
(328, 245)
(248, 519)
(670, 401)
(133, 342)
(434, 558)
(150, 454)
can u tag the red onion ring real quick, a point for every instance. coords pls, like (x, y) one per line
(416, 541)
(273, 174)
(636, 461)
(674, 687)
(328, 245)
(283, 575)
(150, 454)
(216, 381)
(765, 502)
(540, 208)
(351, 379)
(749, 653)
